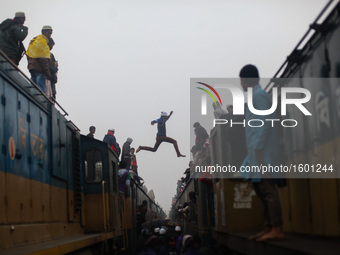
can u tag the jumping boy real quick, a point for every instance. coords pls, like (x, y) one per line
(161, 135)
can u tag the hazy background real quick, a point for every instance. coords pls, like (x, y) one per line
(123, 62)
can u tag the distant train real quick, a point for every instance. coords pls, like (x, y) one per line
(228, 210)
(58, 188)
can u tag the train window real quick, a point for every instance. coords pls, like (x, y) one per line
(93, 166)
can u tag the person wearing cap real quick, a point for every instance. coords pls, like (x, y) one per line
(110, 139)
(162, 231)
(156, 231)
(38, 57)
(92, 130)
(12, 33)
(126, 156)
(161, 135)
(178, 231)
(262, 148)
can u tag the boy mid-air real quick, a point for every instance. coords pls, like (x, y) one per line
(161, 135)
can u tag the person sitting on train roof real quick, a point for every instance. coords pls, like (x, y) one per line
(161, 135)
(123, 178)
(262, 147)
(138, 179)
(38, 57)
(126, 155)
(92, 130)
(12, 33)
(110, 139)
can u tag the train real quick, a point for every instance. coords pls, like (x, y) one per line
(58, 188)
(228, 211)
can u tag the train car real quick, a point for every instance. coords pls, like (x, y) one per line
(314, 202)
(58, 189)
(310, 205)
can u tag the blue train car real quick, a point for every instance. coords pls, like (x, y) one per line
(58, 189)
(39, 167)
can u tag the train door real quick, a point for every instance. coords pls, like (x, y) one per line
(115, 223)
(96, 185)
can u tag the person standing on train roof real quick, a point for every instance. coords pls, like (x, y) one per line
(201, 136)
(126, 156)
(53, 69)
(110, 139)
(161, 135)
(262, 147)
(12, 34)
(38, 57)
(134, 165)
(92, 130)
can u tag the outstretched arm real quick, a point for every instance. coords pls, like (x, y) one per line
(170, 114)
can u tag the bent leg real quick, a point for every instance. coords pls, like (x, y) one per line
(146, 148)
(174, 142)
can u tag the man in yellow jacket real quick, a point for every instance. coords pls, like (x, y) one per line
(38, 57)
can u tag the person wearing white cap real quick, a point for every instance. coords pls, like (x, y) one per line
(162, 231)
(161, 135)
(110, 139)
(178, 231)
(12, 33)
(38, 57)
(156, 231)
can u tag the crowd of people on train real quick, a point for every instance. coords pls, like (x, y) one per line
(42, 64)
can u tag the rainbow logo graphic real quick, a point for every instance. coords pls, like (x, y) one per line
(204, 97)
(213, 90)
